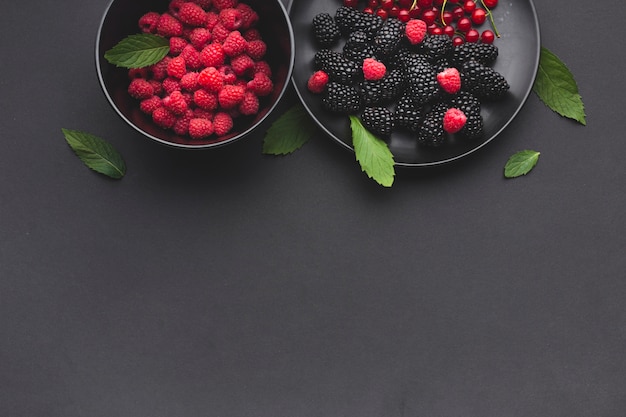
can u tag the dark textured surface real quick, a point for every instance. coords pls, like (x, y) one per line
(232, 284)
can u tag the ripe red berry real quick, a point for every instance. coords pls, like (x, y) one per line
(373, 69)
(200, 128)
(464, 24)
(317, 82)
(469, 6)
(351, 3)
(450, 80)
(429, 17)
(386, 4)
(222, 123)
(487, 36)
(472, 35)
(230, 96)
(382, 13)
(458, 12)
(491, 3)
(454, 120)
(479, 16)
(457, 40)
(192, 14)
(415, 30)
(449, 30)
(404, 15)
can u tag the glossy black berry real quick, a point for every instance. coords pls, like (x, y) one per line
(325, 30)
(483, 81)
(340, 98)
(378, 120)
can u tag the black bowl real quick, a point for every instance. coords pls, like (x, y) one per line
(121, 18)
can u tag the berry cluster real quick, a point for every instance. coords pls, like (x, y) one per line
(459, 19)
(399, 75)
(214, 72)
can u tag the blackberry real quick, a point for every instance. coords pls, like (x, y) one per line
(483, 81)
(357, 47)
(407, 113)
(483, 53)
(466, 102)
(473, 126)
(431, 132)
(378, 120)
(383, 91)
(436, 46)
(350, 19)
(387, 39)
(325, 30)
(338, 67)
(339, 98)
(421, 78)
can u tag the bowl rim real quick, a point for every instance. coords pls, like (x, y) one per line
(219, 143)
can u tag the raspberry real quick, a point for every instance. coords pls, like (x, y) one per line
(256, 49)
(454, 120)
(241, 64)
(228, 74)
(231, 18)
(200, 128)
(205, 100)
(176, 67)
(169, 26)
(174, 7)
(261, 84)
(264, 67)
(224, 4)
(163, 117)
(140, 89)
(373, 69)
(170, 84)
(212, 55)
(181, 126)
(202, 113)
(200, 37)
(317, 82)
(150, 104)
(234, 44)
(148, 22)
(415, 31)
(450, 80)
(175, 103)
(157, 86)
(211, 79)
(252, 35)
(249, 17)
(177, 44)
(205, 4)
(192, 14)
(159, 70)
(189, 81)
(222, 123)
(138, 73)
(230, 96)
(212, 19)
(219, 32)
(250, 104)
(192, 57)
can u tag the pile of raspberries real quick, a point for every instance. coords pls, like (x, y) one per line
(214, 72)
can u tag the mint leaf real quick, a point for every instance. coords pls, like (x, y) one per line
(289, 132)
(373, 154)
(556, 87)
(521, 163)
(138, 51)
(96, 153)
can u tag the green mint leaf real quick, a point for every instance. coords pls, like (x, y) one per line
(372, 153)
(521, 163)
(556, 87)
(96, 153)
(289, 132)
(138, 51)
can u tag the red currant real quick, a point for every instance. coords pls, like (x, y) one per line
(429, 17)
(472, 35)
(351, 3)
(436, 31)
(464, 24)
(458, 12)
(491, 3)
(425, 3)
(438, 3)
(405, 4)
(404, 15)
(457, 40)
(386, 4)
(372, 4)
(448, 18)
(487, 36)
(368, 10)
(479, 16)
(415, 12)
(382, 13)
(449, 30)
(469, 6)
(393, 12)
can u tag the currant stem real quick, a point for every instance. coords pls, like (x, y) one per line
(493, 24)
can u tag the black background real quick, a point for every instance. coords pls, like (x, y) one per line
(228, 283)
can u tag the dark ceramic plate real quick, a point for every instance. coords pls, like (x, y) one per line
(518, 60)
